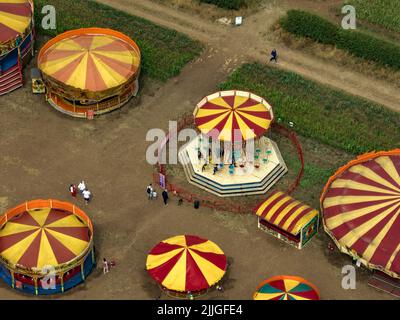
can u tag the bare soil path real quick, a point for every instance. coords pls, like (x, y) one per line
(252, 42)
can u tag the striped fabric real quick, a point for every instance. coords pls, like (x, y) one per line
(186, 263)
(42, 237)
(15, 18)
(285, 212)
(93, 62)
(361, 210)
(233, 116)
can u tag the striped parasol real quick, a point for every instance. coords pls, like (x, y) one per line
(233, 115)
(42, 237)
(361, 210)
(15, 18)
(285, 212)
(94, 60)
(186, 263)
(286, 288)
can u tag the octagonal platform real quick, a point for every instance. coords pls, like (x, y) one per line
(252, 175)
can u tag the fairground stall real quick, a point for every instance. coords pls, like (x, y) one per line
(43, 236)
(88, 72)
(287, 219)
(231, 156)
(286, 288)
(186, 266)
(16, 41)
(361, 207)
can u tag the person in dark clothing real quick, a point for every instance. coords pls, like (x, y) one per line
(165, 196)
(215, 169)
(274, 56)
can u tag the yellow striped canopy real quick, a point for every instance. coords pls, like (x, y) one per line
(285, 212)
(233, 116)
(286, 288)
(90, 59)
(43, 237)
(361, 210)
(186, 264)
(15, 18)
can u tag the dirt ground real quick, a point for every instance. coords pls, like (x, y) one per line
(42, 151)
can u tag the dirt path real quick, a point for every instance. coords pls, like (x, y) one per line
(252, 42)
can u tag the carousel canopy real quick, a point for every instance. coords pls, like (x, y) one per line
(186, 263)
(15, 18)
(286, 288)
(361, 210)
(285, 212)
(90, 59)
(40, 237)
(233, 115)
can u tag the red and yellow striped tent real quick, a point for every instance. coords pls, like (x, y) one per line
(15, 18)
(361, 210)
(43, 233)
(286, 288)
(90, 69)
(233, 115)
(186, 264)
(287, 218)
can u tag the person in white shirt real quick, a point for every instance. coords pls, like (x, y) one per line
(82, 186)
(86, 195)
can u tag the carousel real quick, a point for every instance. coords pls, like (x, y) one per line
(286, 288)
(186, 266)
(16, 41)
(361, 208)
(89, 72)
(45, 237)
(231, 156)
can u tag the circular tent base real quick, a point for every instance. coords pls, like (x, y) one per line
(44, 236)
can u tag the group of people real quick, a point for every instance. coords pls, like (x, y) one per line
(83, 190)
(153, 195)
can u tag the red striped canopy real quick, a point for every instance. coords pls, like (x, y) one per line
(36, 238)
(15, 18)
(186, 263)
(233, 116)
(361, 210)
(285, 212)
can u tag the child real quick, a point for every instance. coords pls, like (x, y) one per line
(72, 190)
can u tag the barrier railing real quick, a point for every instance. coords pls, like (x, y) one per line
(187, 120)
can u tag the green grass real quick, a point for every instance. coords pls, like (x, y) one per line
(359, 44)
(319, 112)
(385, 13)
(164, 52)
(227, 4)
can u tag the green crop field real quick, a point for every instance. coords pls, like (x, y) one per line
(384, 13)
(164, 52)
(319, 112)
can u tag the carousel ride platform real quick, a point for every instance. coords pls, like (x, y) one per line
(248, 177)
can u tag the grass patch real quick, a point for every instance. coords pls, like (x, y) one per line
(362, 45)
(385, 13)
(164, 52)
(319, 112)
(227, 4)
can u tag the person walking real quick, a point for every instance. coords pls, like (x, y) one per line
(274, 56)
(106, 268)
(73, 190)
(82, 186)
(150, 191)
(165, 196)
(86, 196)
